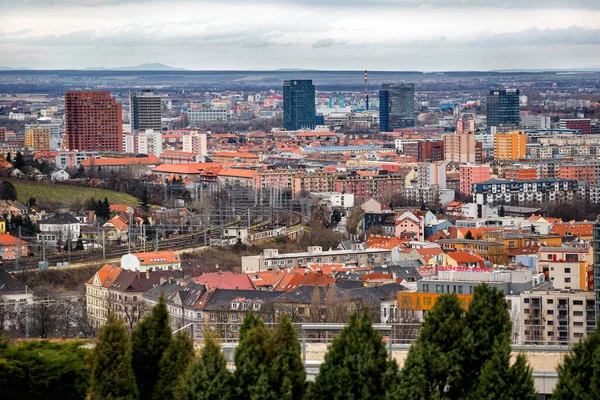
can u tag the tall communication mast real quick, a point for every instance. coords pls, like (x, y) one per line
(366, 90)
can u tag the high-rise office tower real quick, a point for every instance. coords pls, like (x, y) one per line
(396, 106)
(145, 111)
(93, 121)
(299, 111)
(503, 108)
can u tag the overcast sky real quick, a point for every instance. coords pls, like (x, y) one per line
(429, 35)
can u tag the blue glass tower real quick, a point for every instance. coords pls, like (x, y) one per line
(299, 111)
(396, 106)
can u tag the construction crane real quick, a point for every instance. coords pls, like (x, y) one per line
(366, 90)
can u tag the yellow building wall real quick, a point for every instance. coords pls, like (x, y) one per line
(426, 301)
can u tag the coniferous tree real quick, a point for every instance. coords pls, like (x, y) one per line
(8, 191)
(207, 377)
(434, 366)
(144, 201)
(498, 381)
(112, 376)
(356, 365)
(251, 358)
(488, 321)
(150, 339)
(579, 373)
(106, 209)
(173, 365)
(288, 375)
(9, 157)
(19, 161)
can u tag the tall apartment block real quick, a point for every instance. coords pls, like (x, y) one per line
(510, 146)
(37, 137)
(93, 121)
(596, 252)
(396, 106)
(145, 111)
(470, 174)
(299, 110)
(503, 108)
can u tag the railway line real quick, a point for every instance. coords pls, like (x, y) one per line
(262, 220)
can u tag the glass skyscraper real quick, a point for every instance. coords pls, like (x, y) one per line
(396, 106)
(299, 110)
(503, 108)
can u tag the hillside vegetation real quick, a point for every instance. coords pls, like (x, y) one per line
(57, 193)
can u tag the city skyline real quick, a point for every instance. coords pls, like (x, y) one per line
(426, 36)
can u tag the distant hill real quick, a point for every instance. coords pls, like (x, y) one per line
(142, 67)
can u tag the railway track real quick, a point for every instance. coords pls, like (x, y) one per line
(196, 239)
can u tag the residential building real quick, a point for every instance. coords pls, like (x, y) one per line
(538, 190)
(138, 166)
(432, 173)
(144, 142)
(59, 229)
(470, 174)
(503, 108)
(379, 187)
(596, 261)
(270, 259)
(299, 110)
(520, 173)
(565, 267)
(13, 297)
(460, 147)
(165, 260)
(12, 248)
(207, 114)
(93, 121)
(537, 121)
(561, 317)
(72, 159)
(581, 171)
(396, 106)
(145, 111)
(422, 150)
(195, 143)
(510, 146)
(37, 137)
(234, 156)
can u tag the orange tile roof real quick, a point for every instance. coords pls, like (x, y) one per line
(157, 257)
(428, 253)
(119, 208)
(315, 134)
(574, 228)
(464, 257)
(118, 222)
(384, 242)
(6, 239)
(238, 173)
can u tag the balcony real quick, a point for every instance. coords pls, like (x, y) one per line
(563, 328)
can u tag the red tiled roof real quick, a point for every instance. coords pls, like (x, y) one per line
(225, 280)
(573, 228)
(154, 257)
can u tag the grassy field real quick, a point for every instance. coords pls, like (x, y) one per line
(66, 194)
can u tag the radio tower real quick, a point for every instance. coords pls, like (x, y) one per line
(366, 90)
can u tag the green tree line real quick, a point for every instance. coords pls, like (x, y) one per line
(459, 354)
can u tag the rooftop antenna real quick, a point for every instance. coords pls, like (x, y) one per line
(366, 90)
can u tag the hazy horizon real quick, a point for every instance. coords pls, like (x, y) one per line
(386, 35)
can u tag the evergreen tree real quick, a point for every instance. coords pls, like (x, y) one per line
(8, 191)
(106, 209)
(173, 365)
(19, 161)
(356, 365)
(79, 243)
(9, 157)
(434, 366)
(144, 201)
(498, 381)
(207, 378)
(112, 375)
(288, 375)
(43, 370)
(150, 339)
(251, 358)
(578, 375)
(488, 321)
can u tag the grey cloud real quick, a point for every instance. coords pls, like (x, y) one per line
(328, 42)
(573, 35)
